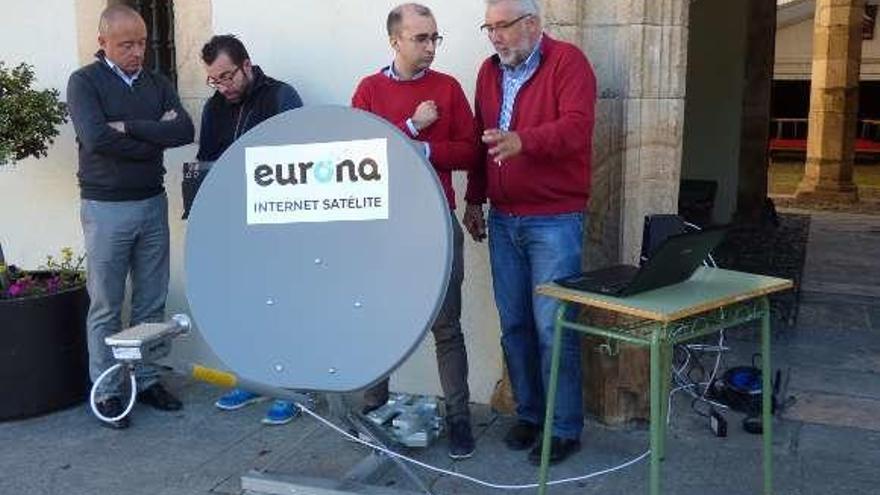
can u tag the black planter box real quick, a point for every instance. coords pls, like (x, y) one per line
(43, 353)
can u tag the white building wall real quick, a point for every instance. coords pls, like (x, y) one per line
(323, 49)
(794, 52)
(39, 208)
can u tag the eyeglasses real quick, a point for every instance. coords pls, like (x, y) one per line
(502, 26)
(425, 38)
(223, 79)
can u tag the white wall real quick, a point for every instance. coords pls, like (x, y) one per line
(39, 206)
(794, 52)
(323, 49)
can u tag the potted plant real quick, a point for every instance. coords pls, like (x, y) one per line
(43, 356)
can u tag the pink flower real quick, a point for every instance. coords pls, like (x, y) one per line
(55, 277)
(16, 289)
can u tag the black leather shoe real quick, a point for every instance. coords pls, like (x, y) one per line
(111, 408)
(522, 435)
(159, 398)
(560, 449)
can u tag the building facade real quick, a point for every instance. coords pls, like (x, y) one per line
(642, 145)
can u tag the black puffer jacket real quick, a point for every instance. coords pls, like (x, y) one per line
(224, 122)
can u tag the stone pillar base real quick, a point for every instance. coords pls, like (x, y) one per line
(616, 384)
(843, 193)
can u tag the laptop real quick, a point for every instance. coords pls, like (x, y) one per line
(674, 261)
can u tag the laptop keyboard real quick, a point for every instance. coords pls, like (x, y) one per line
(612, 287)
(608, 280)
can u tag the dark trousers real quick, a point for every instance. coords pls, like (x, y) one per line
(448, 340)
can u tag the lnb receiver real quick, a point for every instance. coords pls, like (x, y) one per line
(147, 342)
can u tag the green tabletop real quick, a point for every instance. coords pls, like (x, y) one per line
(707, 289)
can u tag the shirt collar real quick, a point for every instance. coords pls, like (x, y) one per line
(390, 72)
(129, 79)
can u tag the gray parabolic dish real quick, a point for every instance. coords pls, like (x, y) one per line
(330, 282)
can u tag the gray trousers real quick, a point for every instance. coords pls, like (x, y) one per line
(124, 238)
(448, 341)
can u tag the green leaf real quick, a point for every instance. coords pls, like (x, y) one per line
(29, 118)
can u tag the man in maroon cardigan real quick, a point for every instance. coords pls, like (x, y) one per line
(534, 106)
(431, 108)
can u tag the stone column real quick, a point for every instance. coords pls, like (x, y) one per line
(88, 13)
(755, 131)
(639, 51)
(563, 19)
(193, 26)
(837, 51)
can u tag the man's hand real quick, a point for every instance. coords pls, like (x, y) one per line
(118, 126)
(502, 144)
(474, 222)
(425, 114)
(169, 115)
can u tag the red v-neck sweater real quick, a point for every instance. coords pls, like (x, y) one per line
(553, 114)
(452, 138)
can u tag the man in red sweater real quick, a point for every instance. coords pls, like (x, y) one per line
(430, 107)
(534, 107)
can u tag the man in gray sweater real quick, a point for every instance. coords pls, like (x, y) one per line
(125, 117)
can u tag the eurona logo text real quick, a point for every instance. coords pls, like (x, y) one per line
(324, 172)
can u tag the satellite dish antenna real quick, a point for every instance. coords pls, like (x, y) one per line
(318, 250)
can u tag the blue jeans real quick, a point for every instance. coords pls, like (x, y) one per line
(124, 238)
(526, 251)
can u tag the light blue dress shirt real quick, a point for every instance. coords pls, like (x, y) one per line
(514, 78)
(119, 72)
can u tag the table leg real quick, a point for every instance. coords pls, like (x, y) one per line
(656, 411)
(665, 367)
(767, 395)
(551, 399)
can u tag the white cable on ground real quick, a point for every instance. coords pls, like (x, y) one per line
(353, 438)
(719, 349)
(717, 362)
(465, 477)
(94, 391)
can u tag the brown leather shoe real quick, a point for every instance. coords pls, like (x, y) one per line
(560, 449)
(159, 398)
(522, 435)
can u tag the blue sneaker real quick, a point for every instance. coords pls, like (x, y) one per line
(236, 399)
(281, 412)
